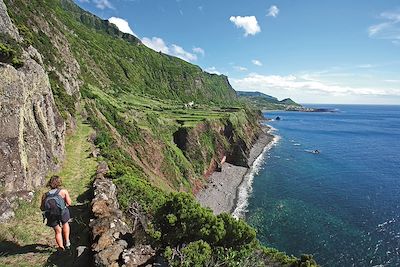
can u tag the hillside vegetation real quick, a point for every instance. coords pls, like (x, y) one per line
(158, 149)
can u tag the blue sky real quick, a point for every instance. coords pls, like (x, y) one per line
(313, 51)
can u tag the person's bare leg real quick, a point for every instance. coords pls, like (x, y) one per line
(58, 236)
(66, 230)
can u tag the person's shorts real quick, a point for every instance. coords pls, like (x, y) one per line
(53, 221)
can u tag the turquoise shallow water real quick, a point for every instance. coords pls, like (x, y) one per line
(342, 205)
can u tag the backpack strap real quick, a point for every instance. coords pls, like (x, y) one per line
(48, 194)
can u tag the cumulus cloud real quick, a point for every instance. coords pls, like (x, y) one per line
(122, 25)
(256, 62)
(199, 50)
(248, 23)
(158, 44)
(178, 51)
(273, 11)
(292, 83)
(213, 70)
(389, 29)
(103, 4)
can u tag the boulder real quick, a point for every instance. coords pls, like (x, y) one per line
(138, 255)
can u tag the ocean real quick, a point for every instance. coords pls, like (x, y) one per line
(341, 205)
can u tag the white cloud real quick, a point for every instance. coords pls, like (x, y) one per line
(181, 53)
(199, 50)
(213, 70)
(248, 23)
(303, 85)
(103, 4)
(273, 11)
(392, 81)
(256, 62)
(240, 68)
(122, 25)
(365, 66)
(389, 29)
(158, 44)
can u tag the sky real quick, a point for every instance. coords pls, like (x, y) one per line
(313, 51)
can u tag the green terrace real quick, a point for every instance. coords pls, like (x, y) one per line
(173, 112)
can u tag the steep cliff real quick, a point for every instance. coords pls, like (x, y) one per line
(32, 130)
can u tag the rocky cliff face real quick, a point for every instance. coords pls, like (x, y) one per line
(209, 143)
(32, 130)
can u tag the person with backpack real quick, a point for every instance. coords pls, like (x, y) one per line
(55, 208)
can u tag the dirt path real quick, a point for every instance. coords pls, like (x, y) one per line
(26, 241)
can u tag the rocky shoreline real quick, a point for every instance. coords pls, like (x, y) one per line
(221, 192)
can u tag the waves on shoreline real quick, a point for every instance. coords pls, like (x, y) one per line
(246, 187)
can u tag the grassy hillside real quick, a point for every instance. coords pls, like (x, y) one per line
(134, 98)
(115, 62)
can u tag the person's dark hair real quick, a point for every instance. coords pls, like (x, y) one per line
(54, 182)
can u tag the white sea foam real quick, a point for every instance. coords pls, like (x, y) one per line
(246, 187)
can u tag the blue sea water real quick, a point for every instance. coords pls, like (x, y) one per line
(342, 205)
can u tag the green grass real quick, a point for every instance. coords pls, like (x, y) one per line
(78, 167)
(20, 235)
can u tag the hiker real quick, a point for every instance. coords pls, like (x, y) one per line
(55, 207)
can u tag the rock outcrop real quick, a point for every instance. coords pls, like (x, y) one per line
(6, 26)
(112, 238)
(32, 130)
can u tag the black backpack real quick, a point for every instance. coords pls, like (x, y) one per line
(54, 204)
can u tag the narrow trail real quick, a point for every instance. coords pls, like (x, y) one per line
(26, 241)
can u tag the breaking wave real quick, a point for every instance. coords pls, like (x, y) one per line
(246, 187)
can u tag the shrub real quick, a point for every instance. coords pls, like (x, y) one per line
(182, 220)
(133, 189)
(195, 254)
(237, 232)
(10, 56)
